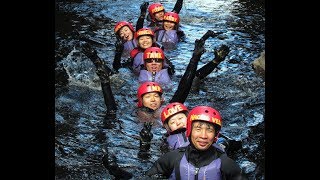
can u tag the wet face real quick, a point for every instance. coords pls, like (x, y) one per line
(177, 121)
(125, 34)
(153, 65)
(202, 135)
(167, 25)
(145, 42)
(159, 16)
(151, 100)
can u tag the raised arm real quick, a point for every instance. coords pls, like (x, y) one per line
(177, 6)
(117, 56)
(143, 11)
(219, 55)
(103, 72)
(185, 83)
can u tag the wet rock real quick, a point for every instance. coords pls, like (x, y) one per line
(258, 65)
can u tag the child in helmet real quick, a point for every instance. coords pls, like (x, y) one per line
(200, 159)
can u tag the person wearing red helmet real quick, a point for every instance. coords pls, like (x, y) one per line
(126, 42)
(154, 69)
(185, 83)
(200, 159)
(157, 11)
(145, 39)
(170, 33)
(174, 120)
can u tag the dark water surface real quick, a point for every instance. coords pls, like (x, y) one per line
(82, 129)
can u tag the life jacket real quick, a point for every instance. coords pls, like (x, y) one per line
(134, 52)
(167, 36)
(188, 171)
(177, 140)
(162, 77)
(129, 46)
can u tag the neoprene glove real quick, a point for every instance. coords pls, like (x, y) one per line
(117, 58)
(145, 133)
(198, 47)
(221, 53)
(144, 7)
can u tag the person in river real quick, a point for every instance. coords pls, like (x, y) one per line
(185, 83)
(170, 33)
(174, 120)
(150, 93)
(200, 159)
(145, 38)
(156, 13)
(126, 42)
(154, 67)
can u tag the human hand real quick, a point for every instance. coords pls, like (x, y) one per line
(221, 53)
(199, 47)
(210, 33)
(144, 7)
(145, 132)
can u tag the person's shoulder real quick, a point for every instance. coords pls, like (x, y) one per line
(228, 165)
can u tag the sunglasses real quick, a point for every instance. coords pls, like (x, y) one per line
(155, 60)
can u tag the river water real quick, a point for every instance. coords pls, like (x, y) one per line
(82, 129)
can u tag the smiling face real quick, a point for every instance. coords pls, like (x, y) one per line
(151, 100)
(145, 41)
(125, 34)
(167, 25)
(202, 135)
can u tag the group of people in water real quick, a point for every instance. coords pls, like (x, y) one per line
(191, 134)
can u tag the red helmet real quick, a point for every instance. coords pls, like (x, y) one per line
(204, 113)
(153, 53)
(172, 17)
(143, 32)
(147, 87)
(120, 24)
(154, 8)
(172, 109)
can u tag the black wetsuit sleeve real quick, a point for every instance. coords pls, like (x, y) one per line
(164, 166)
(177, 6)
(117, 56)
(140, 22)
(103, 71)
(185, 83)
(143, 11)
(206, 69)
(230, 170)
